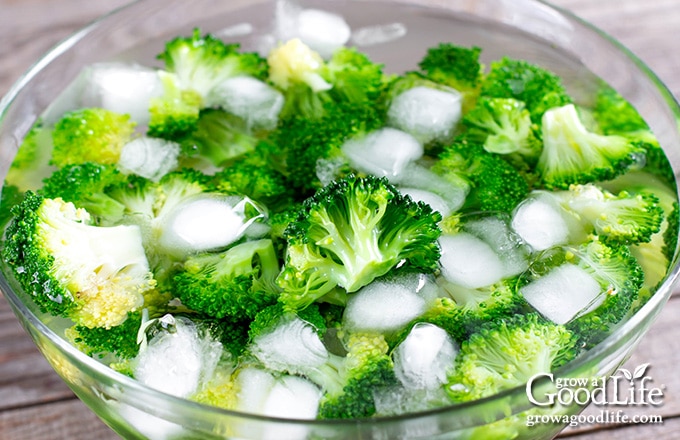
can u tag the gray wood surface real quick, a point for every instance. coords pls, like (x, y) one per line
(35, 404)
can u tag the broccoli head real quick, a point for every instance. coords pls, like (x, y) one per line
(539, 88)
(90, 135)
(91, 274)
(351, 232)
(495, 185)
(236, 283)
(506, 353)
(572, 154)
(120, 340)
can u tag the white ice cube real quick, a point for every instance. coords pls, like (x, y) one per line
(504, 241)
(321, 30)
(204, 223)
(254, 385)
(540, 223)
(385, 152)
(425, 358)
(387, 305)
(563, 293)
(151, 158)
(124, 88)
(428, 114)
(177, 362)
(419, 177)
(469, 261)
(258, 103)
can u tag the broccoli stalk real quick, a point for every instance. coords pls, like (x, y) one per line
(351, 232)
(93, 275)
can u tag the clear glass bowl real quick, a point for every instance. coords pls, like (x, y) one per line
(525, 29)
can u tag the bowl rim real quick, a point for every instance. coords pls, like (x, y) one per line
(639, 319)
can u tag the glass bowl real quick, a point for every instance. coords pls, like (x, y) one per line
(526, 29)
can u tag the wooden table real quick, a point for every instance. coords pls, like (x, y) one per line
(35, 404)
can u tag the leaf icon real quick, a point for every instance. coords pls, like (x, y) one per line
(626, 373)
(640, 371)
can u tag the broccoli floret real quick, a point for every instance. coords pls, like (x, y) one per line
(85, 185)
(620, 277)
(258, 176)
(311, 86)
(457, 67)
(506, 353)
(93, 275)
(237, 283)
(218, 138)
(367, 368)
(463, 310)
(193, 67)
(351, 232)
(494, 184)
(32, 161)
(572, 154)
(539, 88)
(670, 233)
(626, 218)
(121, 340)
(504, 126)
(90, 135)
(315, 144)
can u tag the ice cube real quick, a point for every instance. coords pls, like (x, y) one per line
(151, 158)
(379, 34)
(387, 305)
(292, 397)
(385, 152)
(425, 358)
(469, 261)
(150, 426)
(177, 362)
(427, 113)
(123, 88)
(204, 223)
(293, 346)
(563, 293)
(431, 199)
(504, 241)
(322, 31)
(254, 385)
(253, 100)
(540, 223)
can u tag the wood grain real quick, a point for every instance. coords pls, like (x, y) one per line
(36, 404)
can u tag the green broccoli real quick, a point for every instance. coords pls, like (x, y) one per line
(456, 67)
(622, 218)
(236, 283)
(504, 126)
(93, 275)
(193, 67)
(90, 135)
(670, 233)
(217, 138)
(351, 232)
(506, 353)
(120, 340)
(572, 154)
(10, 196)
(539, 88)
(620, 277)
(85, 185)
(311, 86)
(494, 184)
